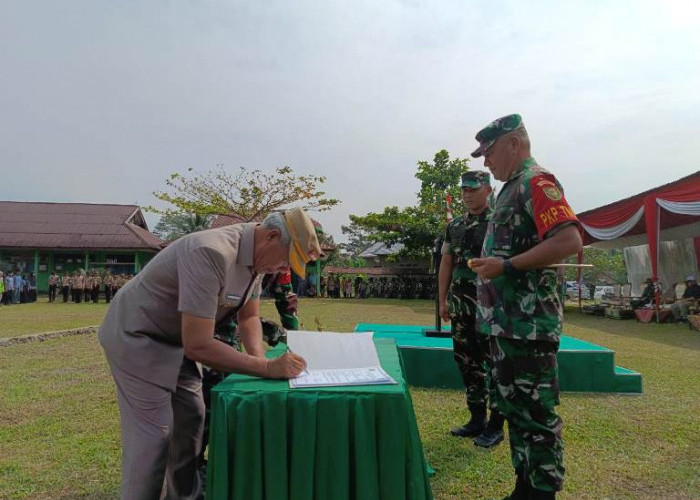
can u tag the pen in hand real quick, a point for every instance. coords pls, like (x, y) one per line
(304, 371)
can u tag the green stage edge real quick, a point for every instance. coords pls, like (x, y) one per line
(428, 362)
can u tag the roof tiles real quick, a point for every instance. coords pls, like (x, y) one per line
(74, 226)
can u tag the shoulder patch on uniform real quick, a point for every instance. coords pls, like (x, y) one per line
(550, 189)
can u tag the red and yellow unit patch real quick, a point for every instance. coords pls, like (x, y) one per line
(549, 204)
(284, 278)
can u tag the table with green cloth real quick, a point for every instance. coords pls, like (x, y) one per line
(270, 442)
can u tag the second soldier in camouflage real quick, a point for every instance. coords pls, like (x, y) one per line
(464, 238)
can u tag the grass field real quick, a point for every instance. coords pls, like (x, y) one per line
(59, 433)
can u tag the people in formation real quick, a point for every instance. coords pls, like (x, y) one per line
(78, 286)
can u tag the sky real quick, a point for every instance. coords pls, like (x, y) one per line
(100, 101)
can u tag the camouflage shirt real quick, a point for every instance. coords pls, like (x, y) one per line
(524, 305)
(464, 238)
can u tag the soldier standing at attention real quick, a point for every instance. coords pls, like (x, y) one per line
(464, 238)
(73, 281)
(109, 284)
(78, 284)
(119, 282)
(53, 284)
(95, 289)
(65, 286)
(531, 227)
(87, 286)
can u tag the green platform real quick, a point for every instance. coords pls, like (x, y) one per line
(583, 366)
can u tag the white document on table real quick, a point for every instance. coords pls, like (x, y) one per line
(336, 359)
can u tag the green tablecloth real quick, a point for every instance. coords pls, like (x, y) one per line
(270, 442)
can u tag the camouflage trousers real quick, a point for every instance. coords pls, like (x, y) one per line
(524, 374)
(471, 353)
(286, 304)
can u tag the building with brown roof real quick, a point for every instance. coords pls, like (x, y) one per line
(42, 237)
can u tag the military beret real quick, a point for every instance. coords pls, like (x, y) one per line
(475, 179)
(497, 128)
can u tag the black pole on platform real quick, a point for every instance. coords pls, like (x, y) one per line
(437, 257)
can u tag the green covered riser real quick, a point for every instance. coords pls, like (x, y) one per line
(583, 366)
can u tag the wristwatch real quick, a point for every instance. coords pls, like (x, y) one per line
(508, 267)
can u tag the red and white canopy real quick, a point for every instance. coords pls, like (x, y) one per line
(666, 213)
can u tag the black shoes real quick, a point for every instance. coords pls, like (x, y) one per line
(542, 495)
(493, 433)
(522, 489)
(489, 438)
(476, 424)
(470, 429)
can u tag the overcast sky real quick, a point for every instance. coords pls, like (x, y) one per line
(101, 100)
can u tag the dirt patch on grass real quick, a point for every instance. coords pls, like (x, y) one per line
(41, 337)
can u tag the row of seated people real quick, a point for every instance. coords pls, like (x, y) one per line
(682, 299)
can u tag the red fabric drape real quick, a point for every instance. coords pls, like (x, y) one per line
(684, 192)
(613, 215)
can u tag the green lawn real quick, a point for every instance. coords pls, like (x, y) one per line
(45, 316)
(59, 432)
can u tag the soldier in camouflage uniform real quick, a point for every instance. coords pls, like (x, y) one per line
(285, 299)
(463, 240)
(531, 227)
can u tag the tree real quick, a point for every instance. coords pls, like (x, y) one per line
(358, 239)
(172, 225)
(248, 194)
(416, 227)
(608, 266)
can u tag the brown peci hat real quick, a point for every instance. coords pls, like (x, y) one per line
(304, 246)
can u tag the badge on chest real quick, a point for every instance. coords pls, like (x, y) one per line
(237, 289)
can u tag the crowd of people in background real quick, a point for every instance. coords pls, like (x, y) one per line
(17, 288)
(78, 286)
(347, 286)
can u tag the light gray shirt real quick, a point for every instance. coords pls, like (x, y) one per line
(203, 274)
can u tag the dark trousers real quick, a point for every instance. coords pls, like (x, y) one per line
(108, 293)
(52, 293)
(95, 294)
(65, 289)
(86, 294)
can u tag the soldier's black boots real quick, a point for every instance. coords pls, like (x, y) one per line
(493, 433)
(542, 495)
(476, 424)
(522, 490)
